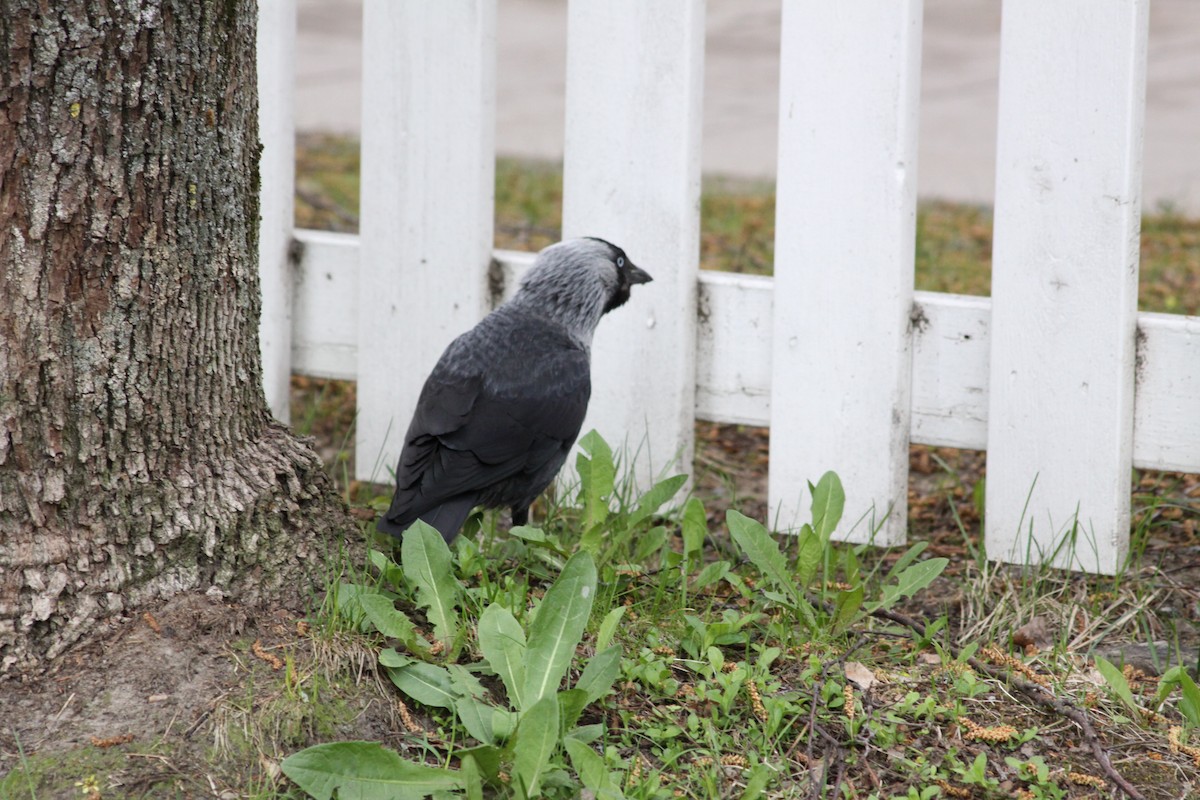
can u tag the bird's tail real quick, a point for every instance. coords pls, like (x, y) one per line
(447, 518)
(385, 525)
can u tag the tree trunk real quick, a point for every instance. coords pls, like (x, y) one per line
(137, 455)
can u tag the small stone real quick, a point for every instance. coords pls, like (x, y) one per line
(1035, 634)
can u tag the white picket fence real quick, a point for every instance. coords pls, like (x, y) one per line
(1057, 376)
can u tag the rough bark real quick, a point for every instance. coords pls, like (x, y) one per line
(137, 455)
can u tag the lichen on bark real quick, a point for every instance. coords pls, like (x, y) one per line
(138, 458)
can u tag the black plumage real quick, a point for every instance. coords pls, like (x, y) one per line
(504, 404)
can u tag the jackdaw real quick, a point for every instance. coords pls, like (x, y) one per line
(502, 408)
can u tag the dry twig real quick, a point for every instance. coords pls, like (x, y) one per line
(1038, 694)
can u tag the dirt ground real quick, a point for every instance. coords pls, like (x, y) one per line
(143, 688)
(154, 704)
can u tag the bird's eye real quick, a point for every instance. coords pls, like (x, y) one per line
(620, 262)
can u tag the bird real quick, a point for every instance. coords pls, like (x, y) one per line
(499, 413)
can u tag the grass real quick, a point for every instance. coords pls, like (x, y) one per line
(684, 719)
(848, 672)
(952, 254)
(734, 677)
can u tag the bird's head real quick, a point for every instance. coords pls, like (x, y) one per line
(579, 280)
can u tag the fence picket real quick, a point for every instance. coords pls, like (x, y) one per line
(845, 224)
(428, 166)
(1064, 280)
(733, 363)
(836, 352)
(632, 175)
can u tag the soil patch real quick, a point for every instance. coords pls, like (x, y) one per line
(165, 704)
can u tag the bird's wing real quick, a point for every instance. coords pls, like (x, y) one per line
(471, 431)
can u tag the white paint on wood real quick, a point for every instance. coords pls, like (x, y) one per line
(428, 165)
(845, 227)
(1064, 280)
(950, 370)
(733, 356)
(276, 112)
(1048, 383)
(733, 363)
(325, 310)
(1166, 428)
(631, 175)
(513, 266)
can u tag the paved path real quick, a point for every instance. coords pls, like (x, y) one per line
(958, 89)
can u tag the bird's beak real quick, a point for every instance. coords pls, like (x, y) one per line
(637, 274)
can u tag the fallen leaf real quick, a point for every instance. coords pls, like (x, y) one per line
(859, 675)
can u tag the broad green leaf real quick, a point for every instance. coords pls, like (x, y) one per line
(588, 733)
(593, 772)
(909, 556)
(558, 627)
(757, 782)
(753, 540)
(716, 659)
(472, 778)
(850, 565)
(846, 608)
(593, 539)
(597, 475)
(828, 503)
(389, 569)
(476, 717)
(767, 658)
(977, 774)
(1166, 684)
(808, 614)
(391, 621)
(427, 563)
(711, 574)
(502, 643)
(504, 722)
(528, 533)
(1117, 682)
(810, 554)
(464, 682)
(920, 575)
(535, 741)
(1189, 704)
(390, 657)
(571, 703)
(694, 527)
(649, 543)
(803, 608)
(600, 673)
(364, 771)
(654, 499)
(425, 683)
(488, 758)
(608, 627)
(347, 598)
(594, 683)
(776, 597)
(910, 581)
